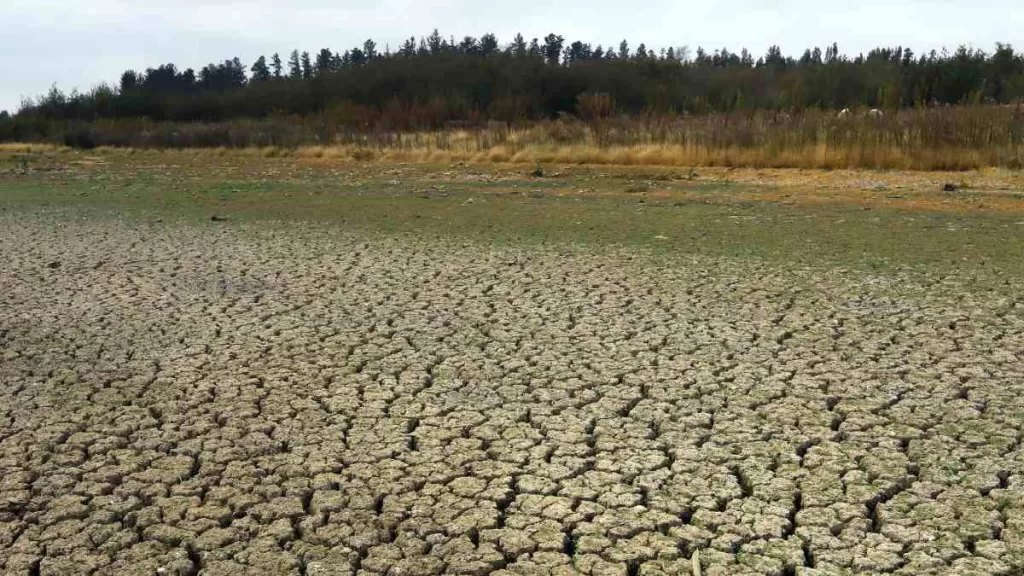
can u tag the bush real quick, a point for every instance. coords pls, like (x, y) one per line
(80, 137)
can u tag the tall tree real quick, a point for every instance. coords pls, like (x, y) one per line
(260, 71)
(435, 43)
(434, 89)
(577, 52)
(535, 50)
(275, 64)
(129, 80)
(469, 45)
(774, 57)
(307, 66)
(370, 49)
(518, 47)
(831, 53)
(488, 44)
(746, 58)
(324, 61)
(553, 47)
(408, 48)
(222, 77)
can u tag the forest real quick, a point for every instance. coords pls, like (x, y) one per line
(437, 83)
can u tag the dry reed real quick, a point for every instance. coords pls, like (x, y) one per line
(950, 138)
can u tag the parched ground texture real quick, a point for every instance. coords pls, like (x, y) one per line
(224, 363)
(233, 399)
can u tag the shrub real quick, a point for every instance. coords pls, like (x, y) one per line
(80, 137)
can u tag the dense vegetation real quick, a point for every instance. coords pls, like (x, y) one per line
(436, 80)
(621, 95)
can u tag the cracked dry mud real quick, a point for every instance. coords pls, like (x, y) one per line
(299, 399)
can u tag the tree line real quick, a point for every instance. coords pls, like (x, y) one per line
(434, 81)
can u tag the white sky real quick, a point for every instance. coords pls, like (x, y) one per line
(77, 44)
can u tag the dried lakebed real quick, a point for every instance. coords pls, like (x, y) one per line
(223, 400)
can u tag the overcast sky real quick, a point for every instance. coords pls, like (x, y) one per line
(77, 44)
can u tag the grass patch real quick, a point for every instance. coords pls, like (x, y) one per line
(580, 207)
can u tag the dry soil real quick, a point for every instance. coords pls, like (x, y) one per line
(223, 398)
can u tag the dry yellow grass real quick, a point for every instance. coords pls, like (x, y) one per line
(20, 148)
(533, 146)
(816, 157)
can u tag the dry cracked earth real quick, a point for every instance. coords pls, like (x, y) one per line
(219, 399)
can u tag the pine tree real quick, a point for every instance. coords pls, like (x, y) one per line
(774, 58)
(488, 44)
(535, 50)
(518, 47)
(577, 52)
(435, 43)
(260, 71)
(237, 71)
(275, 64)
(553, 47)
(469, 45)
(408, 48)
(129, 80)
(908, 56)
(307, 66)
(702, 57)
(831, 53)
(294, 65)
(323, 61)
(746, 58)
(370, 49)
